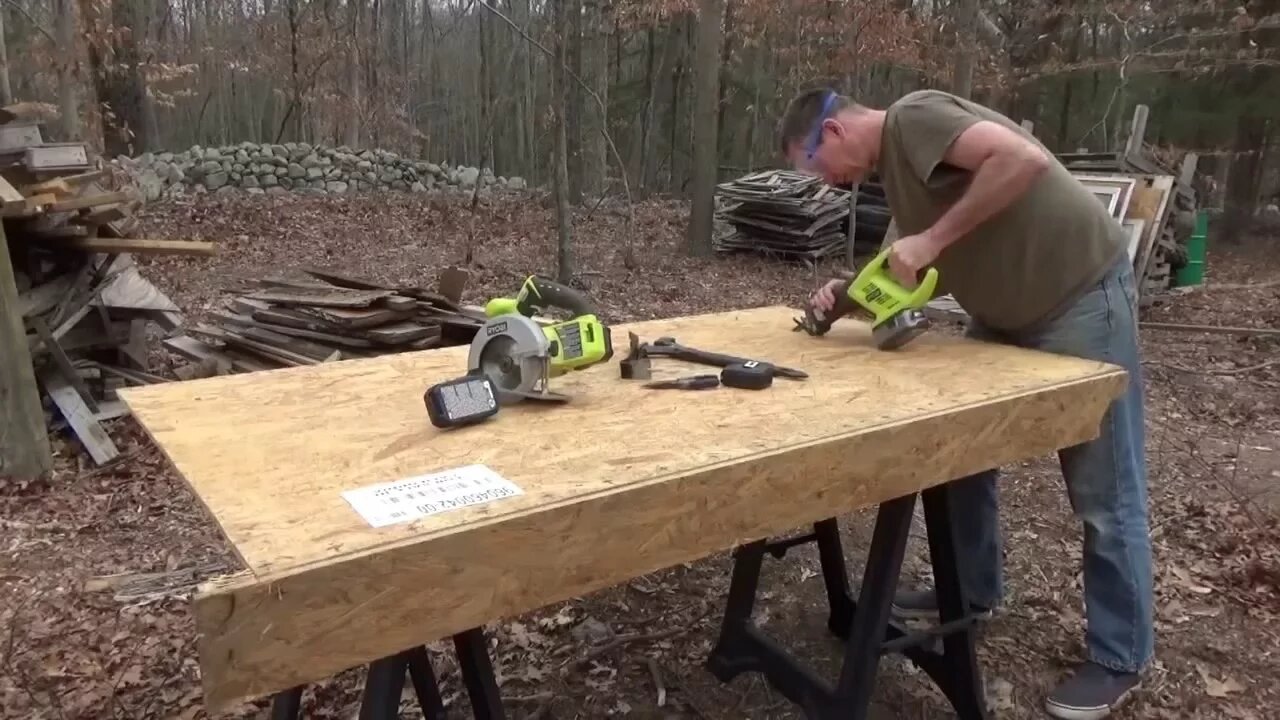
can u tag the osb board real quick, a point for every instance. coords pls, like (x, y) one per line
(620, 482)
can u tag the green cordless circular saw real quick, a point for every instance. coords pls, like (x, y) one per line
(520, 355)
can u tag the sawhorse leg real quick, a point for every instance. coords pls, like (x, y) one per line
(385, 682)
(864, 625)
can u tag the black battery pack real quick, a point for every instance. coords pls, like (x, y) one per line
(462, 401)
(750, 375)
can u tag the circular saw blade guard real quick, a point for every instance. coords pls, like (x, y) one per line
(513, 352)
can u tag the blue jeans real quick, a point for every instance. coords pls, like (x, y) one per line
(1106, 483)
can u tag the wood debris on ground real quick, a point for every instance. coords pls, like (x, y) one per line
(69, 222)
(283, 322)
(789, 214)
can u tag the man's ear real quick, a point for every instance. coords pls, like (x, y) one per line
(834, 126)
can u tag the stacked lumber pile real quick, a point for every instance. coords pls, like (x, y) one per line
(86, 310)
(789, 214)
(1159, 208)
(275, 323)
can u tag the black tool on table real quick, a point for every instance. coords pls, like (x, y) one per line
(462, 401)
(690, 382)
(668, 347)
(751, 375)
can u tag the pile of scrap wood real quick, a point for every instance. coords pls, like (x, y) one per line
(281, 322)
(86, 316)
(789, 214)
(1156, 205)
(68, 223)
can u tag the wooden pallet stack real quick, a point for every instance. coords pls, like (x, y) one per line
(77, 294)
(788, 214)
(278, 322)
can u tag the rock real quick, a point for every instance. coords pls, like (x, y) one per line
(434, 169)
(151, 185)
(279, 151)
(242, 157)
(254, 190)
(314, 173)
(165, 157)
(225, 190)
(418, 187)
(212, 154)
(249, 181)
(317, 185)
(517, 183)
(364, 166)
(268, 181)
(277, 190)
(286, 183)
(310, 161)
(399, 185)
(175, 175)
(296, 170)
(335, 187)
(389, 176)
(216, 180)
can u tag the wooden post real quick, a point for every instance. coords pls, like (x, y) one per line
(24, 441)
(1137, 132)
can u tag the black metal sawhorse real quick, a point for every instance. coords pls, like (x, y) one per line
(385, 682)
(865, 625)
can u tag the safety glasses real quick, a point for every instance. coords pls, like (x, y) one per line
(815, 135)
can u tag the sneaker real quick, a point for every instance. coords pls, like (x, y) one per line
(1091, 693)
(923, 605)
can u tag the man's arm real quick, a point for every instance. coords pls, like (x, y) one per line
(1004, 165)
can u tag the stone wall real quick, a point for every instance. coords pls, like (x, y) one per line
(299, 167)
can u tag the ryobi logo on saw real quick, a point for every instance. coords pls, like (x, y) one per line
(496, 328)
(879, 297)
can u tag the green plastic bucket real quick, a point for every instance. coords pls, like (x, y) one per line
(1193, 272)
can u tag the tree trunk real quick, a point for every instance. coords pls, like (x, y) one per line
(353, 75)
(706, 98)
(68, 104)
(559, 160)
(595, 151)
(966, 47)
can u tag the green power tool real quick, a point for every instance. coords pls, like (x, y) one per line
(897, 315)
(520, 355)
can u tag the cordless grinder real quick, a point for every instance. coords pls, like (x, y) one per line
(897, 315)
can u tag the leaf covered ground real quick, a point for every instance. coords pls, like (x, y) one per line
(82, 635)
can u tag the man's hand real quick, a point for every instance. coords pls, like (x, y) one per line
(911, 254)
(824, 298)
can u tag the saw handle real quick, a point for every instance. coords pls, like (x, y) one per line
(539, 293)
(875, 289)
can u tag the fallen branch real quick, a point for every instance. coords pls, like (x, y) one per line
(1232, 371)
(656, 674)
(1219, 329)
(631, 638)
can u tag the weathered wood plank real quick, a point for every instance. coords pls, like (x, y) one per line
(24, 441)
(623, 481)
(141, 246)
(86, 428)
(335, 297)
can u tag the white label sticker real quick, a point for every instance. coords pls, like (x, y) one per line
(417, 497)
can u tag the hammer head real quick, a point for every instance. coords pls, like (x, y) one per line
(899, 329)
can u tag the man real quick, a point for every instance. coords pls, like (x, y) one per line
(1038, 262)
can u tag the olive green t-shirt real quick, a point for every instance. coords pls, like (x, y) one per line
(1022, 265)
